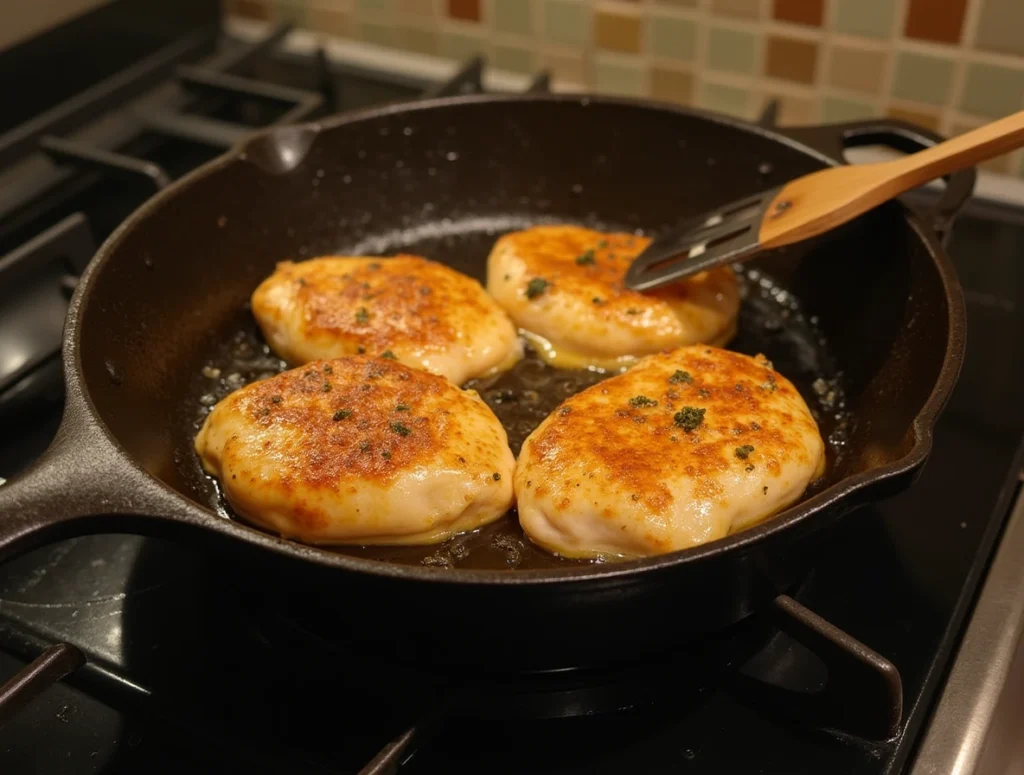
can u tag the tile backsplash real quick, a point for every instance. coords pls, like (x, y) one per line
(945, 64)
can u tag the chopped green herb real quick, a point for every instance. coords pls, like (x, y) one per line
(386, 455)
(400, 429)
(364, 446)
(328, 369)
(586, 258)
(632, 311)
(264, 411)
(680, 377)
(703, 392)
(744, 452)
(341, 414)
(770, 384)
(362, 316)
(402, 408)
(302, 281)
(326, 387)
(641, 401)
(496, 476)
(389, 355)
(689, 418)
(536, 287)
(749, 468)
(275, 399)
(754, 426)
(361, 351)
(602, 244)
(597, 300)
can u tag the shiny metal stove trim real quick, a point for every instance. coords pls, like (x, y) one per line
(975, 727)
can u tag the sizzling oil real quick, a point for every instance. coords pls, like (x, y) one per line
(770, 322)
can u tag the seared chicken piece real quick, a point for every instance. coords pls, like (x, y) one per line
(421, 312)
(359, 451)
(686, 447)
(563, 285)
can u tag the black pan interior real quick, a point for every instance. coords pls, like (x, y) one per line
(167, 330)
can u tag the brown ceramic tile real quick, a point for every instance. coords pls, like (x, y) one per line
(251, 9)
(329, 21)
(861, 70)
(464, 10)
(939, 20)
(744, 9)
(926, 118)
(809, 12)
(672, 85)
(791, 59)
(618, 32)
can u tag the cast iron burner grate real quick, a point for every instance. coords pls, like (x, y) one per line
(786, 661)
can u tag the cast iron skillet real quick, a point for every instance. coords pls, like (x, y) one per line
(880, 321)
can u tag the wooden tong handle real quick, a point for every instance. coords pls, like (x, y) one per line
(818, 202)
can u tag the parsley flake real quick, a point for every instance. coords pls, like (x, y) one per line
(400, 429)
(536, 287)
(632, 311)
(402, 408)
(744, 452)
(496, 476)
(586, 258)
(389, 355)
(689, 418)
(680, 377)
(326, 387)
(362, 316)
(341, 414)
(275, 399)
(642, 401)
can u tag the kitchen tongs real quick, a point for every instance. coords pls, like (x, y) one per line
(809, 206)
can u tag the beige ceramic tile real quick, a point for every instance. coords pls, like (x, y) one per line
(861, 70)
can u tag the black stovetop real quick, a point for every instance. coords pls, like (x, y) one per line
(189, 672)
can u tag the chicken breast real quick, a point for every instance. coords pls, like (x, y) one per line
(686, 447)
(563, 285)
(425, 314)
(359, 451)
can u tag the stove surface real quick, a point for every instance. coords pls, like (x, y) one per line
(185, 674)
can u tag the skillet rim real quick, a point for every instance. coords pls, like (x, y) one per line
(923, 423)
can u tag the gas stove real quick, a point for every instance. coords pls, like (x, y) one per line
(897, 643)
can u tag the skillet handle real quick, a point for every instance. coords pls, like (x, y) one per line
(832, 139)
(82, 484)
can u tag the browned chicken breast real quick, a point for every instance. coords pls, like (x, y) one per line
(359, 451)
(686, 447)
(563, 285)
(421, 312)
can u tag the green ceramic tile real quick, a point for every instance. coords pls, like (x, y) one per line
(922, 78)
(514, 58)
(992, 91)
(461, 47)
(725, 99)
(290, 11)
(616, 78)
(379, 34)
(375, 6)
(1000, 26)
(835, 110)
(732, 51)
(419, 40)
(565, 22)
(513, 16)
(873, 18)
(673, 37)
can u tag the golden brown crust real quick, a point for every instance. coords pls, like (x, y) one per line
(426, 314)
(674, 452)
